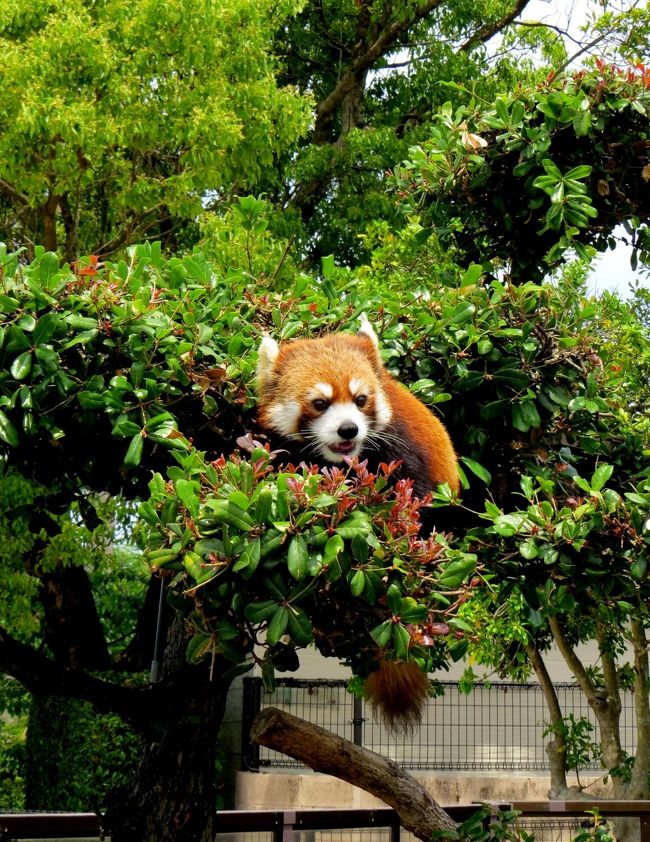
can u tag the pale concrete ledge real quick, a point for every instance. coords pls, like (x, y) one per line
(286, 791)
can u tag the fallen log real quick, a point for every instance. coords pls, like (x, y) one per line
(332, 755)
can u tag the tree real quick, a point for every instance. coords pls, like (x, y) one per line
(570, 565)
(121, 142)
(133, 365)
(117, 121)
(117, 377)
(546, 170)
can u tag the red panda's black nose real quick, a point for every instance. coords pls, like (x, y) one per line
(347, 430)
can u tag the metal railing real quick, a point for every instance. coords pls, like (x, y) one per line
(494, 727)
(562, 818)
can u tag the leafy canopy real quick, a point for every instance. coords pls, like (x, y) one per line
(119, 117)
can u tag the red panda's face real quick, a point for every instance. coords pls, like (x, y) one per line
(326, 392)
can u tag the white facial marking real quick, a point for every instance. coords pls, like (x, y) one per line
(325, 430)
(267, 355)
(383, 411)
(321, 390)
(357, 387)
(285, 418)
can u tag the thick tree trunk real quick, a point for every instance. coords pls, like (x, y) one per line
(331, 754)
(173, 795)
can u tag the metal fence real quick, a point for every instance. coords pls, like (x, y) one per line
(552, 821)
(495, 727)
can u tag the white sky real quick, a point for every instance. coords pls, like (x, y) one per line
(612, 270)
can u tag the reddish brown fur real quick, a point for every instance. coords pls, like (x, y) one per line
(334, 359)
(399, 689)
(330, 359)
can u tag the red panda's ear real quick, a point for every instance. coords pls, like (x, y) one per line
(367, 330)
(267, 355)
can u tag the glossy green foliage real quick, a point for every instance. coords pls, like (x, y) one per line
(266, 563)
(137, 363)
(545, 169)
(93, 359)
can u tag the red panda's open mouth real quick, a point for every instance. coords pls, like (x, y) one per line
(343, 447)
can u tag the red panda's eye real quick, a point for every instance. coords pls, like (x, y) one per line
(361, 400)
(320, 405)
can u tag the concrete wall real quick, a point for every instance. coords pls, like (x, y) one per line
(283, 791)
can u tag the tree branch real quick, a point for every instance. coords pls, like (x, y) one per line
(40, 674)
(328, 753)
(489, 30)
(13, 193)
(366, 58)
(572, 661)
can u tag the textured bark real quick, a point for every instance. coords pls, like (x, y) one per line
(172, 797)
(605, 703)
(555, 748)
(638, 786)
(332, 755)
(73, 631)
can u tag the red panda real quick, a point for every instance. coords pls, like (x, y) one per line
(330, 399)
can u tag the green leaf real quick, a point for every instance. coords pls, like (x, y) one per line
(47, 269)
(21, 366)
(525, 416)
(477, 469)
(45, 327)
(382, 633)
(277, 625)
(8, 432)
(394, 595)
(600, 476)
(198, 647)
(187, 492)
(249, 558)
(298, 557)
(358, 583)
(134, 452)
(257, 612)
(579, 172)
(455, 572)
(413, 612)
(300, 627)
(401, 641)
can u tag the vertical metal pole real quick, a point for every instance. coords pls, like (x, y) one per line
(156, 664)
(252, 703)
(357, 721)
(644, 823)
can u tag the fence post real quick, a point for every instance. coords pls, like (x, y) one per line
(252, 704)
(357, 721)
(644, 823)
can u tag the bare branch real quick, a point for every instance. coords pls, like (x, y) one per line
(489, 30)
(328, 753)
(40, 674)
(13, 193)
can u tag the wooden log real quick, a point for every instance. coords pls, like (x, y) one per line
(332, 755)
